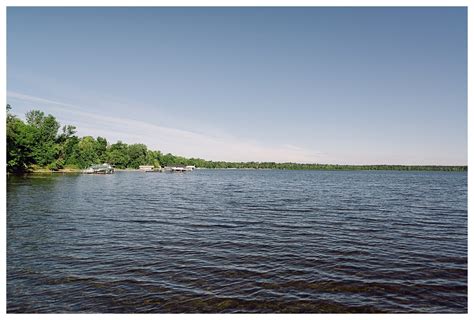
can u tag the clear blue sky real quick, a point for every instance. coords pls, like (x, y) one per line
(327, 85)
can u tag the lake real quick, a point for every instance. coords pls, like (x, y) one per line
(238, 241)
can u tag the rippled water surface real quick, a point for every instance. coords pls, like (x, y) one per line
(238, 241)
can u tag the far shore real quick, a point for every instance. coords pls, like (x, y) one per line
(337, 168)
(70, 170)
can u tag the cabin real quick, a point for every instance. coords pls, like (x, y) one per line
(104, 168)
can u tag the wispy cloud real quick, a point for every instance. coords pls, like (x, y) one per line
(167, 139)
(24, 97)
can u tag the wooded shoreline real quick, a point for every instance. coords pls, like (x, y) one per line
(37, 145)
(341, 168)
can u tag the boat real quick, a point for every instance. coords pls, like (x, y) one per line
(179, 168)
(149, 169)
(104, 168)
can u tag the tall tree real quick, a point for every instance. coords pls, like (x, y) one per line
(117, 155)
(66, 141)
(137, 154)
(45, 129)
(101, 149)
(20, 140)
(87, 152)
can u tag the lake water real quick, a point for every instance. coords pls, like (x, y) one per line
(238, 241)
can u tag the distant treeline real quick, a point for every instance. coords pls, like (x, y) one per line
(311, 166)
(40, 142)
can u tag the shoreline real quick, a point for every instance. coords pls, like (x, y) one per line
(341, 168)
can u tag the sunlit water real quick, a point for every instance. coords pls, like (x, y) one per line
(238, 241)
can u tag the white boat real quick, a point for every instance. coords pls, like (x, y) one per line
(179, 168)
(147, 168)
(104, 168)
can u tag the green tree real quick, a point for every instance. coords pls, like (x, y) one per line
(71, 152)
(87, 152)
(67, 142)
(101, 149)
(19, 142)
(169, 159)
(137, 154)
(152, 158)
(117, 154)
(44, 149)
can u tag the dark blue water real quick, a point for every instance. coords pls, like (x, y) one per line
(238, 241)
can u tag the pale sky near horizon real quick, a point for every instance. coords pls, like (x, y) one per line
(320, 85)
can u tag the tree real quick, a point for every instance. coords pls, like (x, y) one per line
(19, 142)
(66, 142)
(44, 149)
(137, 155)
(87, 152)
(34, 118)
(168, 159)
(71, 151)
(101, 149)
(152, 158)
(117, 155)
(67, 132)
